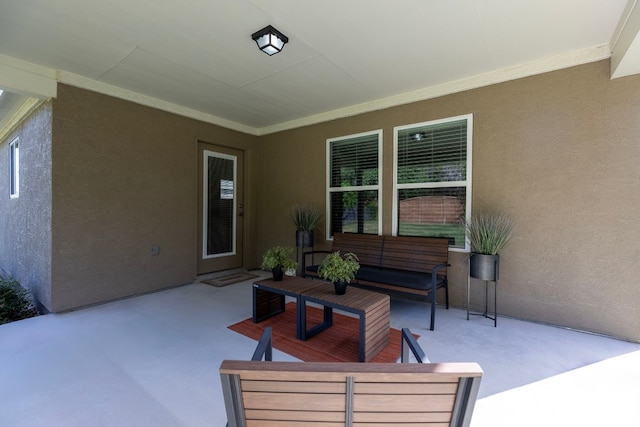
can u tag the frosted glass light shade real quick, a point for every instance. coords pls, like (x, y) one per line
(270, 40)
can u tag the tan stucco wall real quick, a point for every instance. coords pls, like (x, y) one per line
(25, 221)
(124, 179)
(559, 152)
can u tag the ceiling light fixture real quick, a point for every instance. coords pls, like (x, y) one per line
(270, 40)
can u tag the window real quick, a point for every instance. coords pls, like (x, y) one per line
(353, 184)
(14, 169)
(432, 181)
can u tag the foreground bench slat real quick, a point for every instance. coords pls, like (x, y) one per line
(305, 416)
(291, 387)
(312, 402)
(412, 418)
(296, 423)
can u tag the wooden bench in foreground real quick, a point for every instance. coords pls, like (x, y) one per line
(284, 394)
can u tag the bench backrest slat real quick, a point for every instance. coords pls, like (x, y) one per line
(296, 418)
(419, 254)
(368, 247)
(286, 401)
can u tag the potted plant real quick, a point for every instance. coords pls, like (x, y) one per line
(277, 259)
(305, 218)
(488, 234)
(340, 269)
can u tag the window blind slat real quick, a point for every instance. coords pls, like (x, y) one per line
(433, 153)
(353, 164)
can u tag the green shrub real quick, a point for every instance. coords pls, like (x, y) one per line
(278, 256)
(337, 266)
(16, 302)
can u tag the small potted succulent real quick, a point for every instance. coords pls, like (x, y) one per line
(339, 269)
(278, 260)
(488, 233)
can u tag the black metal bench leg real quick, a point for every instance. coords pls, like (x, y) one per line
(433, 312)
(446, 292)
(495, 304)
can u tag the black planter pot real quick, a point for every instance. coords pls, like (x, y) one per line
(304, 238)
(340, 287)
(278, 274)
(484, 267)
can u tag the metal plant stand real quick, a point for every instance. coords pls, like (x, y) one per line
(304, 239)
(486, 296)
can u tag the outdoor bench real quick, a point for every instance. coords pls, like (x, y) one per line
(266, 393)
(403, 266)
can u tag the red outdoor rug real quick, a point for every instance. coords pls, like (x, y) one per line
(339, 343)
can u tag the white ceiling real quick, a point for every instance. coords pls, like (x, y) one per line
(196, 57)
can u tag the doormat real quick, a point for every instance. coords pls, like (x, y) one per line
(229, 279)
(338, 343)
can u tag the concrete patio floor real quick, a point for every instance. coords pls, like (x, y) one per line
(153, 360)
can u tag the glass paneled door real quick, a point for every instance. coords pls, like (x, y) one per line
(220, 208)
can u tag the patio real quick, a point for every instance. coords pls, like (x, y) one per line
(152, 360)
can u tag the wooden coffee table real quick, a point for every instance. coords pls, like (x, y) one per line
(372, 309)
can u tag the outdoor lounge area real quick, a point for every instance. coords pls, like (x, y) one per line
(147, 146)
(153, 360)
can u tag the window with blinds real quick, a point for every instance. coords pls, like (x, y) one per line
(353, 187)
(432, 179)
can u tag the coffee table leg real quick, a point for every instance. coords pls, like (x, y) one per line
(302, 322)
(266, 304)
(328, 316)
(301, 319)
(361, 346)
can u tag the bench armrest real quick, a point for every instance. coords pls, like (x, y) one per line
(439, 267)
(410, 346)
(434, 276)
(304, 259)
(264, 347)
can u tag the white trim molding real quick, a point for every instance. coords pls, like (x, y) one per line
(28, 79)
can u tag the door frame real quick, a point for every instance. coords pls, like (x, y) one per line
(224, 261)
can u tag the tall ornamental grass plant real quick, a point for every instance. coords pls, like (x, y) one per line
(305, 217)
(489, 233)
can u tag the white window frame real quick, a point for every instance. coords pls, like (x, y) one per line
(14, 169)
(466, 183)
(330, 189)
